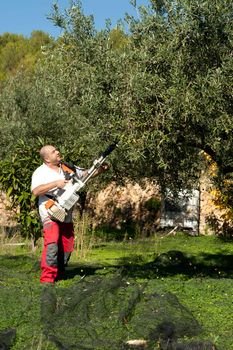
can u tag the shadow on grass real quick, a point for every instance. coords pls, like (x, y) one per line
(175, 262)
(82, 270)
(171, 263)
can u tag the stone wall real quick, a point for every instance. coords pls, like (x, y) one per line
(8, 223)
(115, 204)
(7, 216)
(121, 206)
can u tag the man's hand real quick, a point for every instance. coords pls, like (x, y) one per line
(104, 166)
(61, 183)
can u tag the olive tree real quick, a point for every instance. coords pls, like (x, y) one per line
(165, 92)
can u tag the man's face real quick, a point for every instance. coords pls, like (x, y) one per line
(52, 155)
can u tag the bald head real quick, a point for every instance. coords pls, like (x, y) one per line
(50, 155)
(45, 150)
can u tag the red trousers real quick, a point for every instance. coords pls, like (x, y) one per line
(58, 245)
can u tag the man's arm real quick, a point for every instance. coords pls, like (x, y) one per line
(83, 173)
(43, 189)
(101, 169)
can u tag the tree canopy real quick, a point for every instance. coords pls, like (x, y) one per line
(161, 84)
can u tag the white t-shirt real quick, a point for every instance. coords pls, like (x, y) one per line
(43, 175)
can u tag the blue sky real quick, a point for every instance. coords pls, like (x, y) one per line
(24, 16)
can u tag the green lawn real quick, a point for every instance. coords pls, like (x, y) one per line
(118, 290)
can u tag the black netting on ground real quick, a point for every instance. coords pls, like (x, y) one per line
(7, 338)
(103, 313)
(99, 312)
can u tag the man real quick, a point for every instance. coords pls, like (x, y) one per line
(49, 180)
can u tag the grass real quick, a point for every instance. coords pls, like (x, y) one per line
(197, 270)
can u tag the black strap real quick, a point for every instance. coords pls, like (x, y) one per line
(50, 196)
(70, 166)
